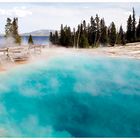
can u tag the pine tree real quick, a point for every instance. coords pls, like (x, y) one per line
(138, 31)
(129, 32)
(84, 26)
(97, 34)
(8, 28)
(66, 37)
(89, 33)
(85, 30)
(121, 37)
(103, 33)
(112, 34)
(74, 38)
(78, 35)
(56, 38)
(62, 36)
(69, 41)
(83, 40)
(134, 26)
(15, 31)
(92, 31)
(30, 40)
(51, 37)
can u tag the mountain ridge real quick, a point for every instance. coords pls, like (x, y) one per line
(42, 32)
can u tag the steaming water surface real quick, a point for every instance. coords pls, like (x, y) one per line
(71, 96)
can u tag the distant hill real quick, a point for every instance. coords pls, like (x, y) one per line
(38, 33)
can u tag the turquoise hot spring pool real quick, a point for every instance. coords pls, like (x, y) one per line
(71, 96)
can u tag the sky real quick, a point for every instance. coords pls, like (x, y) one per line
(37, 16)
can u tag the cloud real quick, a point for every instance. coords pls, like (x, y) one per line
(51, 16)
(16, 11)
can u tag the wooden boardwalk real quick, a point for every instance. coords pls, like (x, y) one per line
(19, 53)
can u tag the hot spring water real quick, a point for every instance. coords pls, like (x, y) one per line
(71, 96)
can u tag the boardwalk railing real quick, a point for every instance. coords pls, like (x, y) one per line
(19, 53)
(37, 48)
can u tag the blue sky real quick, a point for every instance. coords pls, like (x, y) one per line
(35, 16)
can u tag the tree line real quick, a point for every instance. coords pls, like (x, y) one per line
(96, 33)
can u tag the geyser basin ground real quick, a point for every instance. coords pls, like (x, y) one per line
(71, 96)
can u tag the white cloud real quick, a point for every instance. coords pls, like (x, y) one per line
(17, 12)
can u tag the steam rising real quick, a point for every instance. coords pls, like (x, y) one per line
(71, 96)
(7, 42)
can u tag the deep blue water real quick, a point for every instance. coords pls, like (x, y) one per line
(71, 96)
(42, 40)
